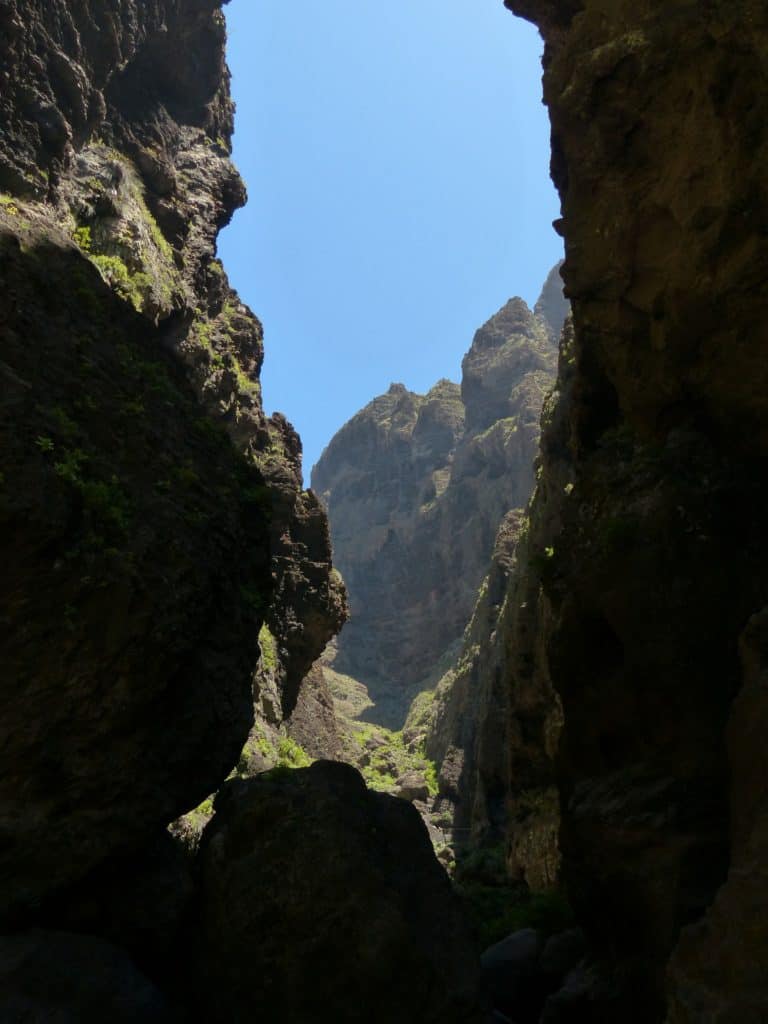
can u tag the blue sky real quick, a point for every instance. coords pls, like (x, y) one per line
(396, 156)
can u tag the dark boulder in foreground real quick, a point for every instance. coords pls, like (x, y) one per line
(528, 973)
(322, 900)
(62, 978)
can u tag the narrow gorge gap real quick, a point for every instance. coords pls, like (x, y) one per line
(421, 488)
(171, 853)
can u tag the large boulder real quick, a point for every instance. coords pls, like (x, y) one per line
(510, 971)
(524, 972)
(322, 900)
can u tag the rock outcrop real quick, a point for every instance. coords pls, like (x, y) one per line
(360, 930)
(644, 557)
(131, 530)
(416, 486)
(152, 516)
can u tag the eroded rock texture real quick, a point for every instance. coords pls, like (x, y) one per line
(152, 517)
(416, 486)
(312, 910)
(646, 526)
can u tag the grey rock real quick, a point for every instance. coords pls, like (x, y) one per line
(573, 1002)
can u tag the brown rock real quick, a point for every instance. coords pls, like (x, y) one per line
(138, 900)
(130, 536)
(313, 723)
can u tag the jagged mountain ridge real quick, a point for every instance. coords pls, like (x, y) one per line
(416, 486)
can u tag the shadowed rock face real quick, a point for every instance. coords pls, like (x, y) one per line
(362, 927)
(415, 487)
(718, 966)
(646, 525)
(127, 647)
(152, 516)
(74, 979)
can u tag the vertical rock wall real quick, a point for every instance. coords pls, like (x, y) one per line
(152, 517)
(646, 545)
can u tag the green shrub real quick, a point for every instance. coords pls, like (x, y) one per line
(483, 864)
(291, 755)
(113, 268)
(377, 778)
(82, 237)
(268, 645)
(104, 499)
(134, 288)
(8, 204)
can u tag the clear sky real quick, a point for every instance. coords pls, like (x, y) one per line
(397, 162)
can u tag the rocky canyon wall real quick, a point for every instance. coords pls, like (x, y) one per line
(416, 486)
(647, 580)
(152, 515)
(165, 576)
